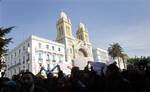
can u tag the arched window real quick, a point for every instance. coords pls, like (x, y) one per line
(68, 30)
(62, 33)
(81, 37)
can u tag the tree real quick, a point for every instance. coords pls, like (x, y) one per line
(139, 62)
(4, 41)
(115, 51)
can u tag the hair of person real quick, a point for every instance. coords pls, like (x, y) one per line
(27, 72)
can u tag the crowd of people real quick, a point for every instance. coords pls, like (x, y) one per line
(87, 80)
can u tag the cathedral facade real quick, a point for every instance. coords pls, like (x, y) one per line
(78, 50)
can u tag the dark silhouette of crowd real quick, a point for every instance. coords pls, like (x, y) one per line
(87, 80)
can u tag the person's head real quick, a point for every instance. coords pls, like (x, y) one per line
(75, 72)
(148, 67)
(86, 69)
(3, 81)
(141, 67)
(112, 71)
(15, 77)
(10, 86)
(50, 75)
(131, 67)
(27, 79)
(60, 74)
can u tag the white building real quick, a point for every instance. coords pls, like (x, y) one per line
(100, 55)
(34, 53)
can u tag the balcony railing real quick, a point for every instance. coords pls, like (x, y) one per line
(14, 66)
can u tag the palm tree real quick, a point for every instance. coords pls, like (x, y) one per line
(4, 41)
(115, 51)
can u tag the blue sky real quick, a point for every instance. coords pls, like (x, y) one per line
(124, 21)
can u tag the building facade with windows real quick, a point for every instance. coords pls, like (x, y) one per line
(34, 53)
(100, 55)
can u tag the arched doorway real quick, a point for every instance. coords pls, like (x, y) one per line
(81, 59)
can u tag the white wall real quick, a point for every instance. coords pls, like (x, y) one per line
(54, 54)
(100, 55)
(19, 61)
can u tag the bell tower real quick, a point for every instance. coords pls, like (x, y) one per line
(64, 29)
(82, 33)
(64, 35)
